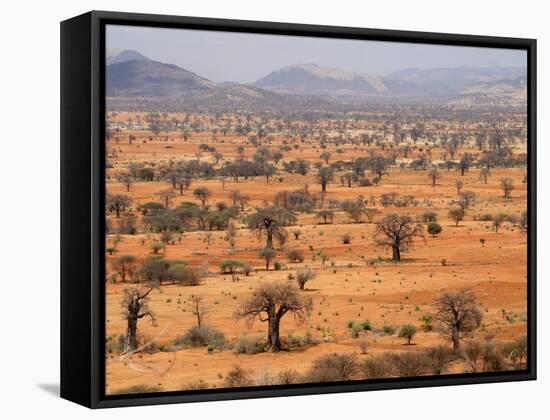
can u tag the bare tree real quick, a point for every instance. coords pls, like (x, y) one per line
(434, 175)
(135, 305)
(398, 232)
(459, 184)
(126, 179)
(484, 174)
(458, 313)
(198, 309)
(267, 254)
(507, 186)
(269, 303)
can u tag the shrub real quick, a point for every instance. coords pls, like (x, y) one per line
(409, 364)
(429, 216)
(295, 255)
(200, 384)
(346, 239)
(180, 273)
(438, 359)
(303, 275)
(434, 229)
(426, 320)
(201, 337)
(278, 265)
(287, 377)
(365, 182)
(388, 330)
(297, 233)
(333, 367)
(376, 367)
(247, 345)
(407, 331)
(364, 346)
(156, 247)
(237, 377)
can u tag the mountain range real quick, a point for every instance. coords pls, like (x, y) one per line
(130, 74)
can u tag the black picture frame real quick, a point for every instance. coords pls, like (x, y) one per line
(83, 193)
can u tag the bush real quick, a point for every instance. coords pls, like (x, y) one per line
(365, 182)
(200, 384)
(376, 367)
(409, 364)
(303, 275)
(434, 229)
(295, 255)
(287, 377)
(156, 247)
(426, 320)
(346, 239)
(181, 274)
(438, 359)
(364, 346)
(333, 367)
(238, 377)
(429, 216)
(201, 337)
(388, 330)
(278, 265)
(247, 345)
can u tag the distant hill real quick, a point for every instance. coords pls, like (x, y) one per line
(311, 79)
(129, 75)
(132, 77)
(452, 81)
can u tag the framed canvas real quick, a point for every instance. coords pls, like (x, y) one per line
(254, 209)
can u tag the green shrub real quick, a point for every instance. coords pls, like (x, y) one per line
(201, 337)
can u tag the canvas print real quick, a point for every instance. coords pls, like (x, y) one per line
(285, 210)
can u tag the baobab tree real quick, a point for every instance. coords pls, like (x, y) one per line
(397, 232)
(270, 221)
(458, 313)
(135, 305)
(269, 303)
(324, 176)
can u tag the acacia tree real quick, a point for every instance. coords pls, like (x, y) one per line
(457, 214)
(484, 174)
(458, 313)
(135, 305)
(166, 197)
(270, 221)
(269, 303)
(398, 232)
(202, 193)
(267, 254)
(125, 265)
(118, 203)
(126, 179)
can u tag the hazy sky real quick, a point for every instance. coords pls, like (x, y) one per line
(238, 57)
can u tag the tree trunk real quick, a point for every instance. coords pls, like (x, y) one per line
(396, 253)
(456, 340)
(273, 340)
(269, 243)
(131, 332)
